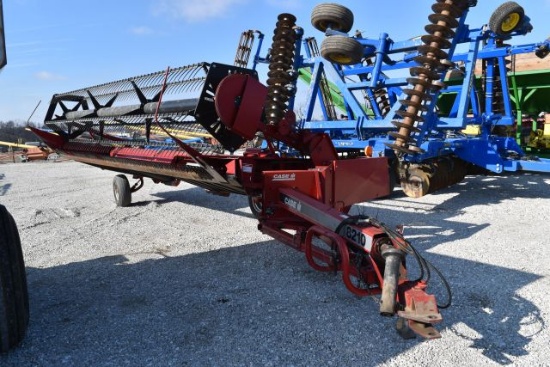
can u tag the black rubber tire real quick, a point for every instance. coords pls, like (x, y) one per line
(333, 16)
(122, 191)
(342, 50)
(255, 206)
(506, 18)
(14, 296)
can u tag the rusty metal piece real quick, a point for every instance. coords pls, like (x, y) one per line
(428, 61)
(424, 72)
(420, 312)
(447, 8)
(445, 20)
(414, 102)
(393, 258)
(426, 331)
(444, 30)
(430, 58)
(432, 51)
(399, 124)
(399, 136)
(420, 94)
(399, 149)
(434, 38)
(421, 81)
(437, 85)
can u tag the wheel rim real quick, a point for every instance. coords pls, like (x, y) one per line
(323, 24)
(115, 191)
(417, 185)
(256, 204)
(340, 58)
(510, 22)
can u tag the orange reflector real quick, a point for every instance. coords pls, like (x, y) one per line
(368, 151)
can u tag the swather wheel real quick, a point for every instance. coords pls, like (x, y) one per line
(506, 18)
(122, 191)
(333, 16)
(342, 50)
(255, 204)
(14, 297)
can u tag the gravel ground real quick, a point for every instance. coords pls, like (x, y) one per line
(183, 278)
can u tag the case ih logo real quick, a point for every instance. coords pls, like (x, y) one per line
(295, 204)
(284, 177)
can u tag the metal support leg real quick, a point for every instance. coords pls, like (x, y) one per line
(393, 258)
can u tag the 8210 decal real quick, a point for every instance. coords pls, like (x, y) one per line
(355, 235)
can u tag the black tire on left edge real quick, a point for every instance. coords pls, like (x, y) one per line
(14, 297)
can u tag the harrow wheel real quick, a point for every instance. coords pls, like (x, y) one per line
(420, 180)
(506, 18)
(14, 298)
(122, 191)
(417, 183)
(342, 50)
(333, 16)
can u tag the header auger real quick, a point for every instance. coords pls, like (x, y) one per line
(218, 127)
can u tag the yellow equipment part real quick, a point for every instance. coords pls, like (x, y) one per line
(158, 131)
(546, 129)
(17, 145)
(473, 130)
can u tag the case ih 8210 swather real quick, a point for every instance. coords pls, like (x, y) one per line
(203, 124)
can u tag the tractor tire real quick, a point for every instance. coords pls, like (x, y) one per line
(506, 18)
(342, 50)
(122, 191)
(14, 297)
(255, 204)
(333, 16)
